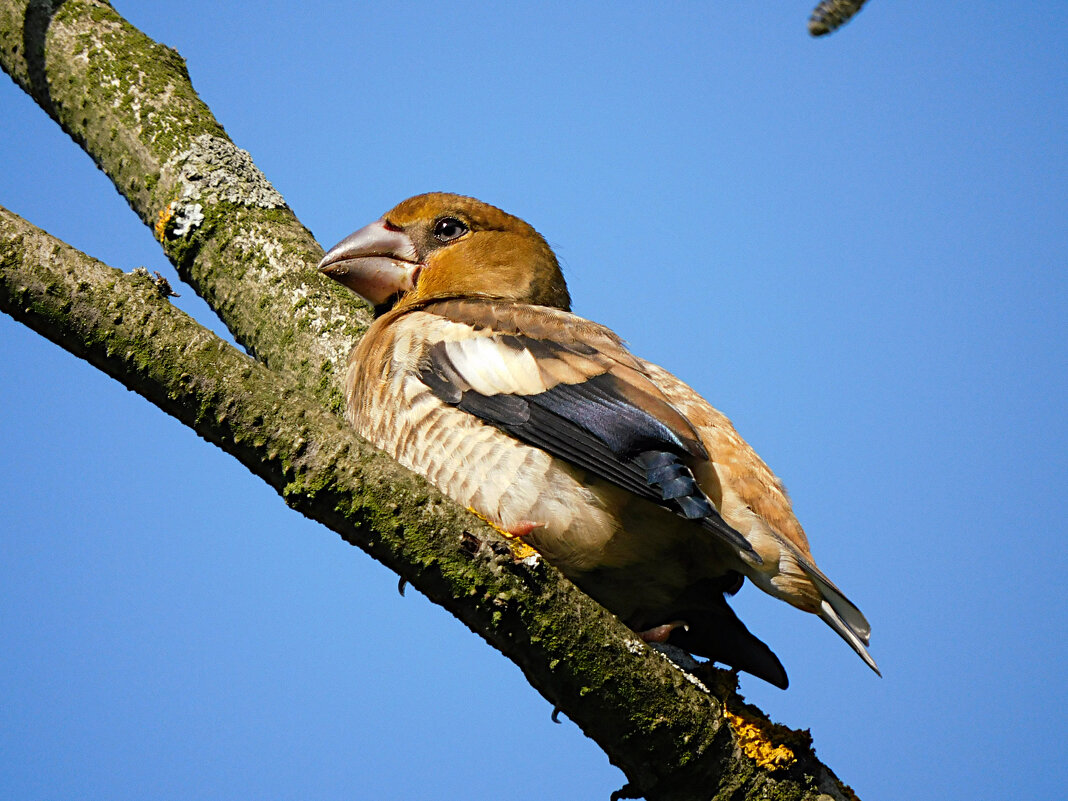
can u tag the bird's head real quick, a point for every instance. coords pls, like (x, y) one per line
(440, 245)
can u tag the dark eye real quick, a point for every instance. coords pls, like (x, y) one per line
(449, 228)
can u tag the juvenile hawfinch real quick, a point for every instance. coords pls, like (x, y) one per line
(476, 375)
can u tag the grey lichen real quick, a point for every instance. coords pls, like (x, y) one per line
(215, 170)
(186, 217)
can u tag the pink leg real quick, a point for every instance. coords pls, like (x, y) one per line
(661, 633)
(523, 528)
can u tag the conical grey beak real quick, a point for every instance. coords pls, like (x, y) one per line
(376, 262)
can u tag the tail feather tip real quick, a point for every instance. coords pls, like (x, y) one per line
(856, 641)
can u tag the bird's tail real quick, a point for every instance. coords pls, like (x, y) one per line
(841, 614)
(716, 632)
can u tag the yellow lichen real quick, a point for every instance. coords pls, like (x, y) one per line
(752, 737)
(520, 550)
(164, 217)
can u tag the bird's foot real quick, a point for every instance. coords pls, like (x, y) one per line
(514, 535)
(661, 633)
(522, 529)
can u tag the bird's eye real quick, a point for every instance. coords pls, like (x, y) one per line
(449, 228)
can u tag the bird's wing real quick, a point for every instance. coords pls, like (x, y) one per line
(570, 387)
(742, 474)
(745, 479)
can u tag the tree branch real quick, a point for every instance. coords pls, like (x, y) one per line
(664, 730)
(128, 102)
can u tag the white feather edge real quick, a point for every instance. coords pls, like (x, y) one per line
(831, 618)
(845, 610)
(837, 611)
(842, 615)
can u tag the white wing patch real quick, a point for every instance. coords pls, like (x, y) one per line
(495, 369)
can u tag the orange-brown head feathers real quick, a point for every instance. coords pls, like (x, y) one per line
(441, 245)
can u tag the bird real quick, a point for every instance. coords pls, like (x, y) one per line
(476, 374)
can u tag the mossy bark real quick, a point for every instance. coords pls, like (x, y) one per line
(128, 102)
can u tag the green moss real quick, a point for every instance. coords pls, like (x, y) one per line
(280, 216)
(96, 13)
(130, 73)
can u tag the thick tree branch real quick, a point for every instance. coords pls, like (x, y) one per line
(128, 102)
(668, 734)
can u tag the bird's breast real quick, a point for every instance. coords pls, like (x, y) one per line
(477, 465)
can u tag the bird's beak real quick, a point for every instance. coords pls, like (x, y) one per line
(376, 262)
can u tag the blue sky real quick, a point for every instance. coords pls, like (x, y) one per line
(856, 247)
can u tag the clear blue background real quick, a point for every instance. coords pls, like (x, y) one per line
(855, 246)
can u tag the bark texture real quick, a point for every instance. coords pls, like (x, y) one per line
(128, 102)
